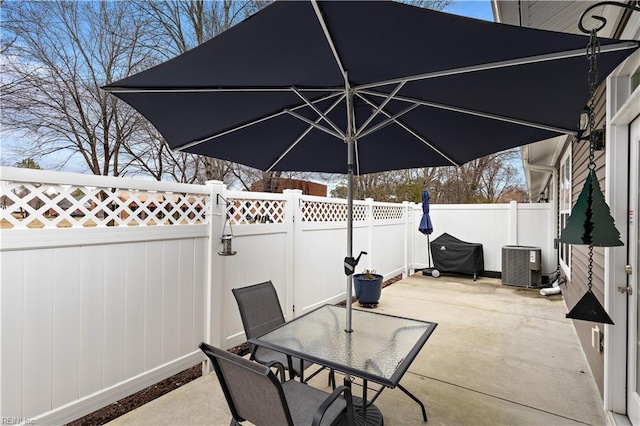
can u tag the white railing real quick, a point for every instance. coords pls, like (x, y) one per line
(99, 302)
(67, 201)
(247, 209)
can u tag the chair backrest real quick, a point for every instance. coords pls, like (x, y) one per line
(251, 389)
(259, 308)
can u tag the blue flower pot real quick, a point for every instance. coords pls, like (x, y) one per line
(368, 291)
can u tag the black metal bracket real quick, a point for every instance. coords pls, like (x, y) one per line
(218, 197)
(598, 139)
(350, 263)
(603, 21)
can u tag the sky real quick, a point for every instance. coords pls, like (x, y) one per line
(479, 9)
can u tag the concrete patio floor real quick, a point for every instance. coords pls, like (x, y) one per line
(499, 356)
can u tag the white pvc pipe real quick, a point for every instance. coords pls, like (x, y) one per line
(550, 291)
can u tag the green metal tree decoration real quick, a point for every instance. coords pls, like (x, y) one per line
(590, 222)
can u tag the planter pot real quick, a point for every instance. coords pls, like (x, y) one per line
(368, 291)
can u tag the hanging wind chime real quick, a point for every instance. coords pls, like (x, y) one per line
(590, 222)
(227, 232)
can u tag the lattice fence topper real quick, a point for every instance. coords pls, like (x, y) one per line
(246, 211)
(388, 212)
(34, 205)
(318, 211)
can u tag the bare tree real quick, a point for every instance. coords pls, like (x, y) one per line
(489, 179)
(267, 181)
(63, 52)
(500, 177)
(430, 4)
(183, 25)
(483, 180)
(189, 23)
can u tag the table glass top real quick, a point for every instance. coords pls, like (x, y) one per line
(380, 347)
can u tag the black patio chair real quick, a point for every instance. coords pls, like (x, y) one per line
(260, 311)
(254, 393)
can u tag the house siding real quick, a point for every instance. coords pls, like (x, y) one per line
(558, 15)
(578, 284)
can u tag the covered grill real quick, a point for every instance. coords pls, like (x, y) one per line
(453, 255)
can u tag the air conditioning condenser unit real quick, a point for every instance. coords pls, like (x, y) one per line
(522, 266)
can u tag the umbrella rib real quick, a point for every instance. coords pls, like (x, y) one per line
(305, 133)
(211, 89)
(313, 124)
(388, 121)
(473, 112)
(426, 142)
(249, 124)
(413, 133)
(320, 113)
(500, 64)
(332, 46)
(379, 108)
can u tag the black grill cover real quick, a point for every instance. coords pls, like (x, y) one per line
(453, 255)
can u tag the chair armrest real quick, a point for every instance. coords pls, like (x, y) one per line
(317, 418)
(280, 369)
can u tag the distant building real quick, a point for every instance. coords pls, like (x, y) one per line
(308, 188)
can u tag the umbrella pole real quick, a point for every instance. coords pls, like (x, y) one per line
(429, 251)
(349, 243)
(350, 165)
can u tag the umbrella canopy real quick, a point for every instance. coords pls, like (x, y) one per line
(426, 227)
(427, 88)
(361, 87)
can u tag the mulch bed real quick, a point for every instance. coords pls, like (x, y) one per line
(123, 406)
(118, 408)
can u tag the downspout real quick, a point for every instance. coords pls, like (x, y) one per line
(554, 209)
(520, 12)
(543, 169)
(554, 178)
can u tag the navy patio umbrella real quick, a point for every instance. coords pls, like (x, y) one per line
(426, 227)
(361, 87)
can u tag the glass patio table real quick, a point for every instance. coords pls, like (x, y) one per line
(380, 348)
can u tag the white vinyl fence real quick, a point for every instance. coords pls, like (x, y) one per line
(107, 285)
(494, 225)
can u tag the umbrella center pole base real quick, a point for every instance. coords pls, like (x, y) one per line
(373, 416)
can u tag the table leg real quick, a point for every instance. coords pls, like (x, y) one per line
(424, 411)
(365, 386)
(290, 367)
